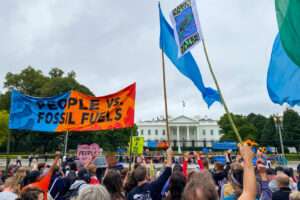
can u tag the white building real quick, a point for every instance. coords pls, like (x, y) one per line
(187, 131)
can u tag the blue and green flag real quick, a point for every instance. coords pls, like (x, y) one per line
(283, 81)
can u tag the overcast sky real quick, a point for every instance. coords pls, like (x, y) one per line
(110, 44)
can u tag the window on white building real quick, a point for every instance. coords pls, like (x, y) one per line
(156, 132)
(211, 132)
(203, 132)
(164, 132)
(142, 132)
(149, 132)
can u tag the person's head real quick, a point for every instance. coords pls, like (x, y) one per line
(289, 172)
(279, 169)
(84, 175)
(205, 164)
(11, 184)
(201, 187)
(282, 180)
(271, 173)
(92, 169)
(31, 177)
(295, 195)
(235, 177)
(124, 173)
(140, 173)
(32, 194)
(176, 186)
(94, 192)
(219, 167)
(298, 169)
(177, 168)
(130, 182)
(113, 183)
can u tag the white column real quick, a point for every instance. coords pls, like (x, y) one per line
(188, 136)
(177, 132)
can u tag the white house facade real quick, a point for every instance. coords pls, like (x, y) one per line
(184, 131)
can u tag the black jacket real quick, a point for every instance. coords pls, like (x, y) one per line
(281, 194)
(150, 191)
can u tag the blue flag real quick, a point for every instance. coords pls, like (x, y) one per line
(186, 64)
(283, 79)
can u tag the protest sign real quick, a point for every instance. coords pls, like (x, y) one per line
(73, 111)
(86, 153)
(186, 26)
(137, 145)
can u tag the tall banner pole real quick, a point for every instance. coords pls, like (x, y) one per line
(7, 152)
(130, 149)
(165, 96)
(235, 130)
(66, 143)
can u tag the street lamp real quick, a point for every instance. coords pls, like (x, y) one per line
(278, 125)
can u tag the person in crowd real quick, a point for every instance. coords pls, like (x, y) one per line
(113, 183)
(176, 186)
(18, 161)
(200, 186)
(11, 189)
(219, 175)
(32, 194)
(271, 176)
(263, 182)
(295, 195)
(92, 170)
(242, 179)
(129, 183)
(150, 190)
(284, 191)
(298, 177)
(94, 192)
(30, 158)
(82, 181)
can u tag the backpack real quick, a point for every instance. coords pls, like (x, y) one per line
(71, 193)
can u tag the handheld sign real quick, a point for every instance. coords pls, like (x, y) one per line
(186, 25)
(137, 145)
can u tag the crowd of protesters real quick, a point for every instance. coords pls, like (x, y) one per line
(238, 178)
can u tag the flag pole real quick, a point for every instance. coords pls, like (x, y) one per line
(130, 149)
(235, 130)
(165, 96)
(66, 143)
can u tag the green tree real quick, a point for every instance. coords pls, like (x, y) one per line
(3, 127)
(258, 121)
(245, 128)
(56, 73)
(269, 135)
(291, 127)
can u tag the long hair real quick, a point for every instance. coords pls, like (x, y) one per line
(176, 187)
(113, 183)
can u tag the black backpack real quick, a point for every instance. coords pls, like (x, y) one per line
(71, 193)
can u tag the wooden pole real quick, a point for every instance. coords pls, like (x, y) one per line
(8, 152)
(130, 147)
(66, 143)
(165, 96)
(235, 130)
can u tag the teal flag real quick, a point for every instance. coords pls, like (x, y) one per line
(283, 80)
(288, 19)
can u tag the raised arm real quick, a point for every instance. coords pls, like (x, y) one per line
(249, 180)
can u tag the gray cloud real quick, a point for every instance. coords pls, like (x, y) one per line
(113, 43)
